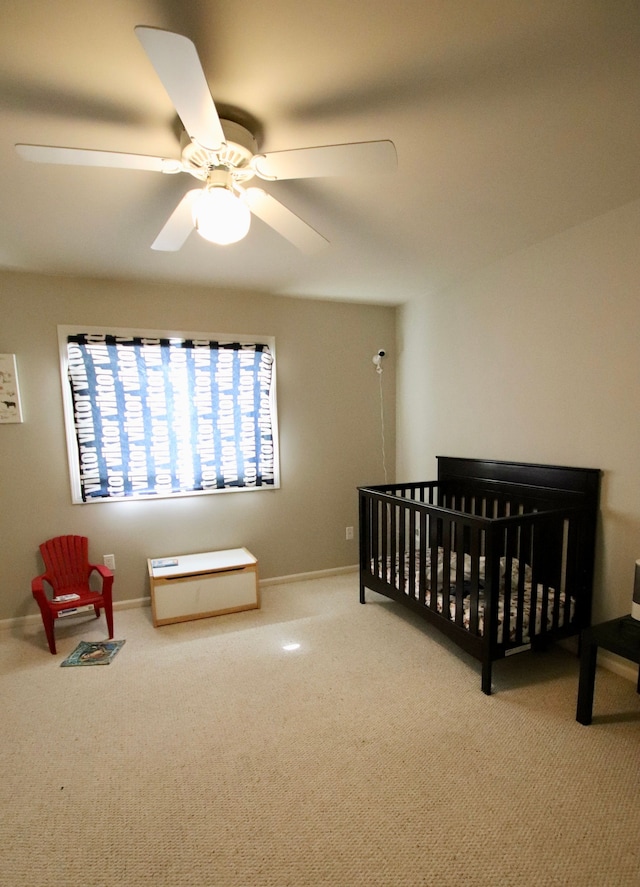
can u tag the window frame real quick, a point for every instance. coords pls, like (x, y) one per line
(66, 330)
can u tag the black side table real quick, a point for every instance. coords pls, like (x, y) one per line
(620, 636)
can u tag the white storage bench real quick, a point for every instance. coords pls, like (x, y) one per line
(194, 586)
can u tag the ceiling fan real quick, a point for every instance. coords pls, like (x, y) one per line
(224, 156)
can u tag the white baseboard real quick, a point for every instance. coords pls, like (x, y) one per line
(300, 577)
(610, 661)
(619, 666)
(33, 618)
(132, 604)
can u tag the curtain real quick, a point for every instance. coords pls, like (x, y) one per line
(156, 416)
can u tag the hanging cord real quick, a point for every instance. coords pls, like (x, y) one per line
(384, 456)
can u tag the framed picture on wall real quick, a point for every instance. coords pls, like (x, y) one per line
(10, 407)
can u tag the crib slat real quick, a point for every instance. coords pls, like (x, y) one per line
(435, 531)
(474, 592)
(535, 581)
(446, 567)
(382, 531)
(556, 579)
(422, 558)
(491, 596)
(510, 544)
(544, 614)
(459, 537)
(521, 590)
(574, 545)
(412, 553)
(372, 516)
(393, 547)
(402, 551)
(523, 553)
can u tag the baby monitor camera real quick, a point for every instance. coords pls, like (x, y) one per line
(377, 359)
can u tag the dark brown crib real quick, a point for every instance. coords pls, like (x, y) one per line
(499, 556)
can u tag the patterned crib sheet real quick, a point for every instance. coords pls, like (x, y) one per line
(450, 596)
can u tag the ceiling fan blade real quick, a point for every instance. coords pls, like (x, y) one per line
(330, 160)
(178, 66)
(89, 157)
(178, 226)
(282, 220)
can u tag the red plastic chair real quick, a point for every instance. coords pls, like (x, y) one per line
(66, 560)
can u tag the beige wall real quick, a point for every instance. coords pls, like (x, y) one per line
(329, 409)
(537, 359)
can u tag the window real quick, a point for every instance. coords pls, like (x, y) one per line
(159, 414)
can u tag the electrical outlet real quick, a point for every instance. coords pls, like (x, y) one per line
(349, 533)
(109, 560)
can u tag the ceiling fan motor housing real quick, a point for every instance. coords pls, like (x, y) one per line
(235, 155)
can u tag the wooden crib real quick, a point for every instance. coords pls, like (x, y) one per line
(499, 556)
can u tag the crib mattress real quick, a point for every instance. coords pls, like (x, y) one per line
(448, 598)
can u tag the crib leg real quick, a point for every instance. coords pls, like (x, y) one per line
(486, 677)
(362, 594)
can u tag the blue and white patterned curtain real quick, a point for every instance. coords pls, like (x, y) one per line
(162, 416)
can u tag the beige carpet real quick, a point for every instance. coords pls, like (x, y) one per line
(208, 755)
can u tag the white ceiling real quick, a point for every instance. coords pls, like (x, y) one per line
(513, 120)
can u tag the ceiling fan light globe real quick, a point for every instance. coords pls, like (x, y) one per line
(221, 217)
